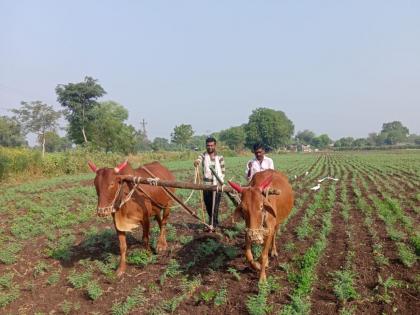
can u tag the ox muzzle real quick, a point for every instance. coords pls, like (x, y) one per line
(256, 236)
(105, 211)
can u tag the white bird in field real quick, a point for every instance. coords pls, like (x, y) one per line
(322, 179)
(315, 188)
(295, 176)
(306, 173)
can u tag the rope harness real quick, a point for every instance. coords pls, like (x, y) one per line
(153, 181)
(108, 210)
(112, 208)
(257, 235)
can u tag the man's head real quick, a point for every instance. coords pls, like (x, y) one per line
(211, 145)
(259, 151)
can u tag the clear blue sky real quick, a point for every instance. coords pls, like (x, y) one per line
(336, 67)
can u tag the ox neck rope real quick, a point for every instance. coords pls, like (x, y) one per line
(257, 235)
(112, 208)
(104, 211)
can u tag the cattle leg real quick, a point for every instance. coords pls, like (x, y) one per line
(248, 254)
(162, 244)
(146, 232)
(273, 244)
(123, 251)
(264, 257)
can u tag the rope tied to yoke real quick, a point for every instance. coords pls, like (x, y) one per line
(257, 235)
(175, 198)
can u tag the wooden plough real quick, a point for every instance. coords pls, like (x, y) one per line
(165, 184)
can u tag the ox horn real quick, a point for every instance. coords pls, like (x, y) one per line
(120, 167)
(92, 166)
(235, 186)
(266, 182)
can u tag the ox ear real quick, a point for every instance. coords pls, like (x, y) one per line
(237, 214)
(92, 166)
(235, 186)
(120, 167)
(269, 207)
(266, 182)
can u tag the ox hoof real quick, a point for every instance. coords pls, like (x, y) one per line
(256, 265)
(263, 279)
(161, 247)
(120, 272)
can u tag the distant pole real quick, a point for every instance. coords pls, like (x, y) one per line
(143, 124)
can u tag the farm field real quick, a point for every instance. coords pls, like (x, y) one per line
(351, 247)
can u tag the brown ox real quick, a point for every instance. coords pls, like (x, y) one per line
(263, 214)
(130, 213)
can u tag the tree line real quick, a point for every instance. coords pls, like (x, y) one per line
(102, 125)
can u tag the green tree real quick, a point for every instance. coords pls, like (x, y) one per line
(55, 143)
(182, 134)
(11, 133)
(37, 117)
(413, 138)
(268, 126)
(345, 142)
(372, 139)
(198, 142)
(160, 144)
(306, 136)
(360, 143)
(80, 100)
(321, 142)
(142, 142)
(108, 131)
(394, 132)
(233, 137)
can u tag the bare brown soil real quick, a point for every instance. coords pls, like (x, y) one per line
(39, 296)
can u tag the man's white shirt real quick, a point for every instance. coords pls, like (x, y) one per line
(258, 166)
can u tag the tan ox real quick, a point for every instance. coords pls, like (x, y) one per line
(263, 213)
(129, 213)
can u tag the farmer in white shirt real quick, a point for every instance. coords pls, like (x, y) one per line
(208, 159)
(259, 163)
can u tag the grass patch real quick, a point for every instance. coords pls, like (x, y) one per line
(9, 291)
(344, 285)
(141, 257)
(407, 256)
(135, 299)
(172, 270)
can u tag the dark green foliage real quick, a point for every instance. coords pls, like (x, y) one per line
(94, 290)
(55, 143)
(79, 99)
(107, 130)
(141, 257)
(233, 137)
(257, 304)
(269, 127)
(38, 118)
(11, 133)
(62, 248)
(135, 299)
(8, 253)
(221, 296)
(9, 291)
(182, 134)
(344, 285)
(172, 270)
(80, 280)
